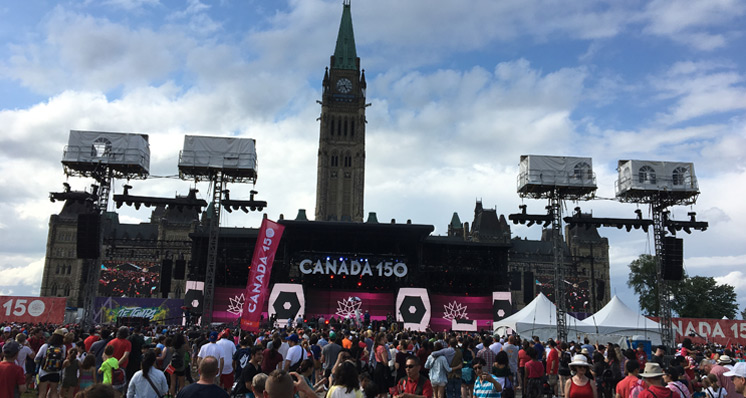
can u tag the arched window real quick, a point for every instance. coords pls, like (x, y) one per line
(646, 175)
(57, 269)
(53, 290)
(331, 126)
(582, 171)
(352, 128)
(335, 160)
(348, 160)
(66, 291)
(681, 176)
(69, 269)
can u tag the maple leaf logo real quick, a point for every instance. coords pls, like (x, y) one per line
(454, 310)
(346, 308)
(236, 304)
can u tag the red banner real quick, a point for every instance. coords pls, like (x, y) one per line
(32, 309)
(701, 330)
(257, 287)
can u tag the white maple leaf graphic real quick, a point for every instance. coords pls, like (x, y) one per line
(346, 308)
(454, 310)
(236, 305)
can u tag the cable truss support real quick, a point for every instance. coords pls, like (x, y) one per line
(664, 293)
(90, 289)
(212, 248)
(560, 296)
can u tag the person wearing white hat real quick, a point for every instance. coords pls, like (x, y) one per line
(711, 367)
(738, 376)
(653, 376)
(579, 385)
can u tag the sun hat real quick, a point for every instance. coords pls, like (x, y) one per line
(579, 360)
(739, 369)
(584, 351)
(652, 370)
(725, 360)
(60, 331)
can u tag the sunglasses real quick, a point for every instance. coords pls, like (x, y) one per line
(410, 366)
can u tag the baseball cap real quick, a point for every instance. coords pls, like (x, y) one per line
(213, 336)
(11, 348)
(739, 369)
(293, 337)
(6, 329)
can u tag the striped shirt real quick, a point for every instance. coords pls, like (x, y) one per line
(485, 389)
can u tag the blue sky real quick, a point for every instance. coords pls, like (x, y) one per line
(459, 91)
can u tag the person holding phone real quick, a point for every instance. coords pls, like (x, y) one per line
(485, 384)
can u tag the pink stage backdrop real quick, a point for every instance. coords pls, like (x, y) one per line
(445, 308)
(345, 303)
(228, 304)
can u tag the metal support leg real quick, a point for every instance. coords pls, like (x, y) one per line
(664, 296)
(560, 298)
(93, 266)
(212, 250)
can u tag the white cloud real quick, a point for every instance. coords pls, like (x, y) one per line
(19, 277)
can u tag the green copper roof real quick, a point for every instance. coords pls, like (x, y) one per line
(345, 54)
(456, 221)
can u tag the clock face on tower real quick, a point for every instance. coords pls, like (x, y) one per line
(344, 85)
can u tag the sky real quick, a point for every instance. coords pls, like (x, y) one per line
(458, 92)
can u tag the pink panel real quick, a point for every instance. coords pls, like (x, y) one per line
(444, 307)
(228, 304)
(341, 303)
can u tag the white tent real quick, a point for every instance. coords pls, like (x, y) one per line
(538, 318)
(618, 319)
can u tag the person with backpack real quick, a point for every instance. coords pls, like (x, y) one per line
(414, 385)
(653, 376)
(110, 363)
(625, 386)
(50, 358)
(672, 383)
(602, 375)
(148, 382)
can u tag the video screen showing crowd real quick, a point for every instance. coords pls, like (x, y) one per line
(129, 278)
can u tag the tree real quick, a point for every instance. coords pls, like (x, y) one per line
(694, 297)
(643, 280)
(702, 297)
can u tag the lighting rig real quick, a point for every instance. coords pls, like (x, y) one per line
(179, 203)
(672, 226)
(531, 219)
(578, 219)
(246, 205)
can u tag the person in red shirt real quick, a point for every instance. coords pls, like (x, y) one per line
(36, 340)
(534, 376)
(653, 376)
(642, 357)
(414, 385)
(122, 346)
(94, 337)
(553, 366)
(12, 379)
(625, 385)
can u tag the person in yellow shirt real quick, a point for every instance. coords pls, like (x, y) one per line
(110, 363)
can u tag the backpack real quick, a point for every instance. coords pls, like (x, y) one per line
(607, 378)
(636, 389)
(118, 378)
(53, 359)
(177, 361)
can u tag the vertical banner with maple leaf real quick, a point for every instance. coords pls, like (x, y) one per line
(257, 287)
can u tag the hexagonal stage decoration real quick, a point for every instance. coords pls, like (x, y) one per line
(413, 308)
(286, 301)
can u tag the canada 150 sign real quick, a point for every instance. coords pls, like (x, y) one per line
(353, 268)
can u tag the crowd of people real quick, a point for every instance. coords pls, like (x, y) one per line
(349, 362)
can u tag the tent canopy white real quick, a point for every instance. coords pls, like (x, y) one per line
(537, 318)
(618, 319)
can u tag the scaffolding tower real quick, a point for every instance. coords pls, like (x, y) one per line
(220, 160)
(557, 178)
(103, 156)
